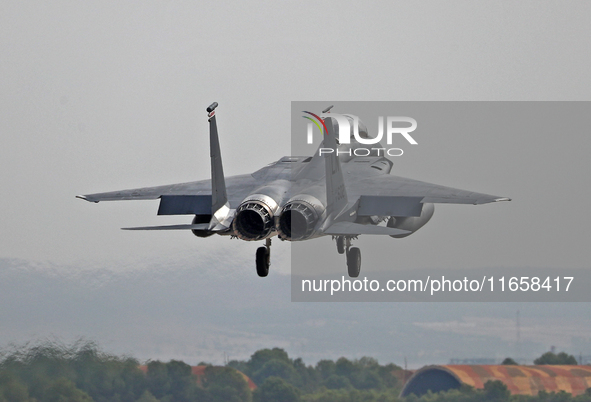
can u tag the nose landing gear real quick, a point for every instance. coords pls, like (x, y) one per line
(341, 244)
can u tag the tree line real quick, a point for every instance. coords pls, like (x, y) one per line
(81, 372)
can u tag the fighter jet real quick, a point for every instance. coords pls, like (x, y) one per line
(300, 198)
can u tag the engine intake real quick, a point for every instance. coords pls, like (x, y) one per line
(411, 223)
(202, 219)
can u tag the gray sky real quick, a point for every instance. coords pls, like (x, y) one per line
(102, 96)
(99, 96)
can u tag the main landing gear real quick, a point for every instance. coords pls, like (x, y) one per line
(263, 259)
(263, 256)
(353, 255)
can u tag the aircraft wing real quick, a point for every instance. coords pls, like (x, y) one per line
(350, 228)
(395, 186)
(238, 187)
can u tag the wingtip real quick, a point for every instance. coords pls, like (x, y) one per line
(83, 197)
(491, 199)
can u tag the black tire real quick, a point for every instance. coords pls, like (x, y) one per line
(354, 262)
(262, 261)
(341, 244)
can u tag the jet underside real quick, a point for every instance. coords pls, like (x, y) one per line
(301, 197)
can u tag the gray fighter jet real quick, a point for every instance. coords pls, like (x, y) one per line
(300, 198)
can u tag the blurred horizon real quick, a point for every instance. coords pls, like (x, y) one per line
(185, 311)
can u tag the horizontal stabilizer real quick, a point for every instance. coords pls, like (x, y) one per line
(350, 228)
(185, 205)
(198, 226)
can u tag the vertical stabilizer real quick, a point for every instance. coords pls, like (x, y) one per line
(336, 193)
(219, 199)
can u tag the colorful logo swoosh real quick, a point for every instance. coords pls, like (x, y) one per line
(316, 122)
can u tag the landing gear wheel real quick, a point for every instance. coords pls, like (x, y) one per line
(341, 244)
(263, 261)
(354, 262)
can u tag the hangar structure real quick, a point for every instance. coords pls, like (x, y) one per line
(522, 380)
(199, 373)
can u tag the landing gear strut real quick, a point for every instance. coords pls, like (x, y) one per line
(263, 259)
(341, 244)
(353, 255)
